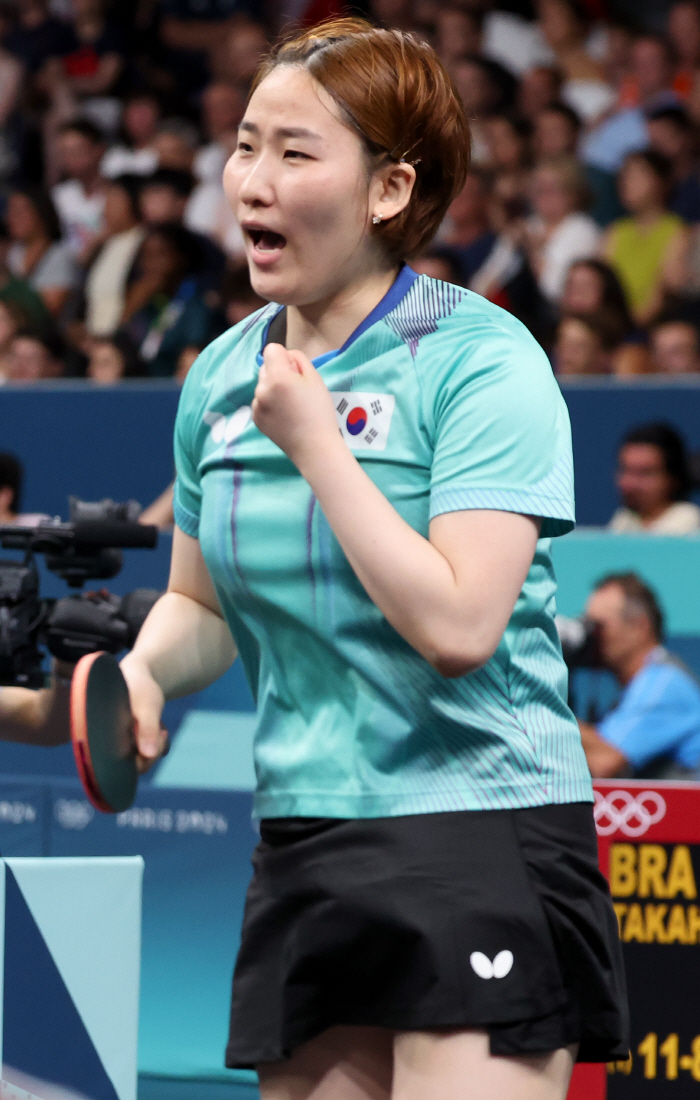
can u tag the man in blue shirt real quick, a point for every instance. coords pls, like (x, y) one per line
(654, 731)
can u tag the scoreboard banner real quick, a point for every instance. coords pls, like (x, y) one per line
(649, 845)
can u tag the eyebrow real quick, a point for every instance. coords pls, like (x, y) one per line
(283, 131)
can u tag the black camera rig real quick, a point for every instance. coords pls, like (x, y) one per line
(88, 547)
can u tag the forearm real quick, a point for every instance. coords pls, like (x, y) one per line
(183, 646)
(604, 760)
(451, 620)
(37, 717)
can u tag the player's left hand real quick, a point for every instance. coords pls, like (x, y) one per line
(292, 404)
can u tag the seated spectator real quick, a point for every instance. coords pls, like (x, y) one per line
(605, 147)
(237, 53)
(11, 74)
(583, 345)
(89, 72)
(648, 248)
(689, 292)
(35, 358)
(439, 263)
(11, 476)
(175, 144)
(508, 139)
(11, 479)
(112, 360)
(193, 30)
(559, 232)
(654, 481)
(556, 132)
(80, 198)
(12, 319)
(38, 36)
(134, 153)
(165, 310)
(509, 159)
(675, 348)
(684, 34)
(105, 287)
(199, 24)
(617, 57)
(652, 74)
(37, 254)
(17, 290)
(457, 32)
(467, 230)
(398, 13)
(591, 288)
(165, 197)
(222, 110)
(210, 216)
(539, 89)
(671, 133)
(239, 298)
(515, 42)
(208, 211)
(564, 26)
(654, 731)
(486, 88)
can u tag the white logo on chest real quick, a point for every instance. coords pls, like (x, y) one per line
(224, 429)
(364, 419)
(482, 965)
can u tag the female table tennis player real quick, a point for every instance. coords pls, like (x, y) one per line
(369, 473)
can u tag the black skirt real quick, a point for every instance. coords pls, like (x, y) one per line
(495, 919)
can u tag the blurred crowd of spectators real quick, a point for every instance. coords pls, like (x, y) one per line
(581, 214)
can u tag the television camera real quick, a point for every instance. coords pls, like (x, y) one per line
(88, 547)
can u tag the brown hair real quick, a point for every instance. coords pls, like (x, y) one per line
(639, 599)
(600, 324)
(393, 91)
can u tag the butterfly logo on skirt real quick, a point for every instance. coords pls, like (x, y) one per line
(482, 965)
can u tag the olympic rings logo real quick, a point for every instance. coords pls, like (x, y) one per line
(621, 812)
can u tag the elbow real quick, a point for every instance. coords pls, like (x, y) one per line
(451, 662)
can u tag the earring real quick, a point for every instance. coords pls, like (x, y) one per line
(376, 219)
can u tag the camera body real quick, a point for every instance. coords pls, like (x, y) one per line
(88, 547)
(580, 642)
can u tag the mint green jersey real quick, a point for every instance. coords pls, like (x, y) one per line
(449, 404)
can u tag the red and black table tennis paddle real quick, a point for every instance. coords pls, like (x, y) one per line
(102, 733)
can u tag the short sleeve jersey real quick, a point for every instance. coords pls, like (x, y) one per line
(658, 716)
(448, 403)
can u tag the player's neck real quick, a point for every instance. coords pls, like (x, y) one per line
(325, 325)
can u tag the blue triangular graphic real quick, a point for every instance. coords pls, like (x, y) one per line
(43, 1034)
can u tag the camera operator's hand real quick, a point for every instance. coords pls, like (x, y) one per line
(38, 717)
(147, 701)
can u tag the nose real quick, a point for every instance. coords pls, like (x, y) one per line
(256, 187)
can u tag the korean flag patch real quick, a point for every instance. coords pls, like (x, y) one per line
(364, 419)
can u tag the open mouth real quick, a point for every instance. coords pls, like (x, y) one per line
(265, 240)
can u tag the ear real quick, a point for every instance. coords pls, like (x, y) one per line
(391, 189)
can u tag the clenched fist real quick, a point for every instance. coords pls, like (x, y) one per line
(292, 404)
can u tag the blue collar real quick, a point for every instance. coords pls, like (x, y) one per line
(398, 290)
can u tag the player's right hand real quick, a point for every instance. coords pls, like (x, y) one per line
(147, 701)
